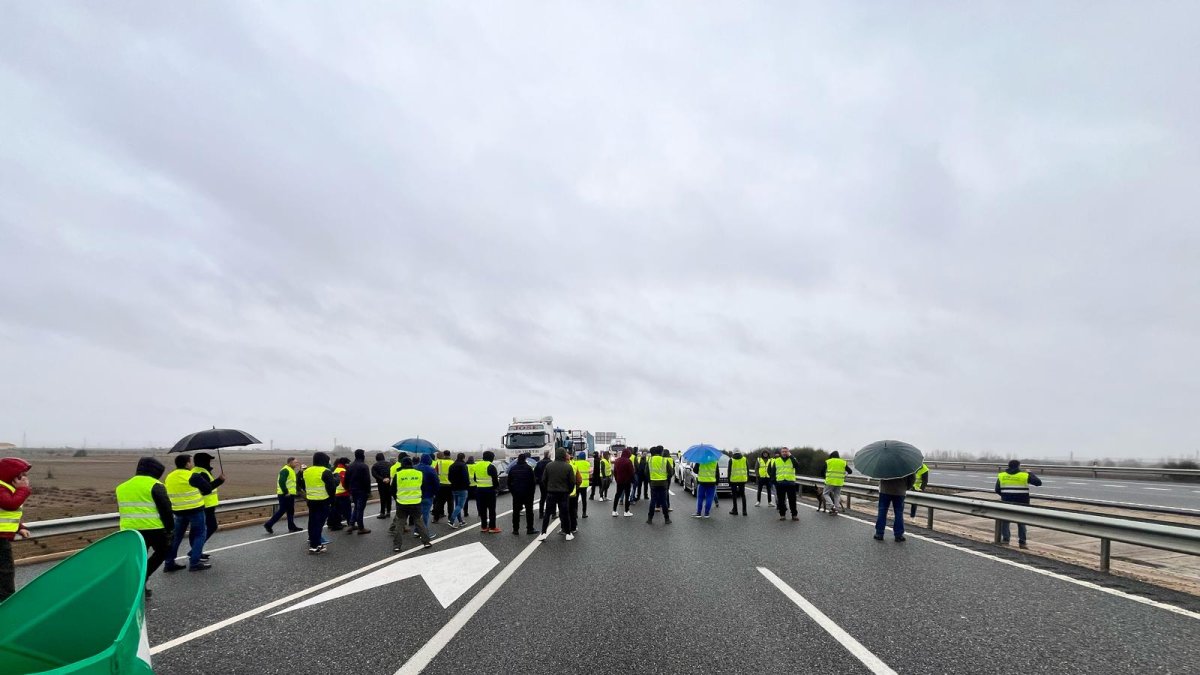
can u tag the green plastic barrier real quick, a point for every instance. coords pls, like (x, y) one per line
(84, 615)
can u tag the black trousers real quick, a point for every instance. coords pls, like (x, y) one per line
(318, 511)
(541, 499)
(287, 506)
(658, 497)
(623, 490)
(385, 498)
(339, 511)
(159, 542)
(472, 495)
(522, 501)
(8, 571)
(485, 499)
(789, 491)
(560, 502)
(443, 501)
(581, 494)
(739, 492)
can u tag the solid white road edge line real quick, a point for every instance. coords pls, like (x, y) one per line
(417, 662)
(183, 639)
(1030, 568)
(853, 646)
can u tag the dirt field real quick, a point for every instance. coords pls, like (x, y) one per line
(64, 486)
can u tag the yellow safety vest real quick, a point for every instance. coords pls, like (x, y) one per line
(341, 488)
(707, 473)
(784, 470)
(408, 486)
(443, 470)
(135, 503)
(585, 471)
(921, 477)
(211, 498)
(738, 473)
(480, 471)
(605, 468)
(763, 465)
(10, 521)
(290, 481)
(658, 467)
(835, 471)
(314, 485)
(184, 497)
(1014, 483)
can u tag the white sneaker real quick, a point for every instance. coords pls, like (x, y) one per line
(628, 514)
(614, 514)
(543, 537)
(570, 537)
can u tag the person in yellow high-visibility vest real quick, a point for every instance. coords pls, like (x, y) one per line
(1013, 486)
(579, 497)
(143, 505)
(286, 487)
(921, 481)
(739, 475)
(14, 490)
(202, 464)
(660, 469)
(319, 486)
(836, 470)
(339, 509)
(408, 482)
(187, 489)
(443, 501)
(783, 470)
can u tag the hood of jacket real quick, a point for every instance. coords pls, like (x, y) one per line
(320, 459)
(148, 466)
(11, 467)
(203, 460)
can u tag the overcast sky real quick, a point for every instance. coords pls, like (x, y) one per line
(737, 223)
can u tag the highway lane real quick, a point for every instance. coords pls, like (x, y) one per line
(1152, 493)
(625, 596)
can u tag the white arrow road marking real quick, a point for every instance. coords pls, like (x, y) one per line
(447, 573)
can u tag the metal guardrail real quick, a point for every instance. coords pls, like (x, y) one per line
(104, 521)
(1106, 528)
(1104, 503)
(1096, 471)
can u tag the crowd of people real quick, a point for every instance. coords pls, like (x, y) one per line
(418, 491)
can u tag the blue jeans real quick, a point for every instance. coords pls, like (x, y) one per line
(460, 498)
(705, 492)
(358, 508)
(195, 520)
(896, 503)
(426, 511)
(1006, 531)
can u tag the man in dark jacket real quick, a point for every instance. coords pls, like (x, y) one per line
(560, 479)
(14, 490)
(521, 483)
(1013, 487)
(460, 487)
(537, 476)
(358, 481)
(381, 471)
(203, 465)
(623, 472)
(155, 523)
(431, 488)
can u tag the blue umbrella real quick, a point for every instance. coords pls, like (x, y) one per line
(888, 459)
(416, 446)
(701, 454)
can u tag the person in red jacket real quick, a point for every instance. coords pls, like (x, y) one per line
(14, 490)
(623, 471)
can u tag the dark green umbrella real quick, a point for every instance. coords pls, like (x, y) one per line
(888, 459)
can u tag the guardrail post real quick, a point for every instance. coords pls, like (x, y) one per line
(847, 501)
(1105, 554)
(929, 518)
(996, 534)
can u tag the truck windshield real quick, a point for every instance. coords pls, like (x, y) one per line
(519, 441)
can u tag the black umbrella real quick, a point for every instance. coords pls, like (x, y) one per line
(214, 439)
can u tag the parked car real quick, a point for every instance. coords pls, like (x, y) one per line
(501, 475)
(689, 476)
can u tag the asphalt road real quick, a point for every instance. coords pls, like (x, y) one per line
(719, 595)
(1152, 493)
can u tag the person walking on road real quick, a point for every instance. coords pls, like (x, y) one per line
(836, 471)
(445, 495)
(409, 482)
(358, 481)
(486, 480)
(763, 477)
(431, 490)
(1013, 487)
(186, 490)
(579, 500)
(381, 471)
(659, 469)
(143, 505)
(706, 487)
(783, 470)
(919, 482)
(285, 492)
(203, 466)
(538, 471)
(14, 490)
(460, 483)
(623, 473)
(320, 484)
(739, 475)
(891, 494)
(560, 479)
(522, 485)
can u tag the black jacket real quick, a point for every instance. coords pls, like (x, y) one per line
(148, 466)
(521, 480)
(459, 478)
(358, 477)
(381, 470)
